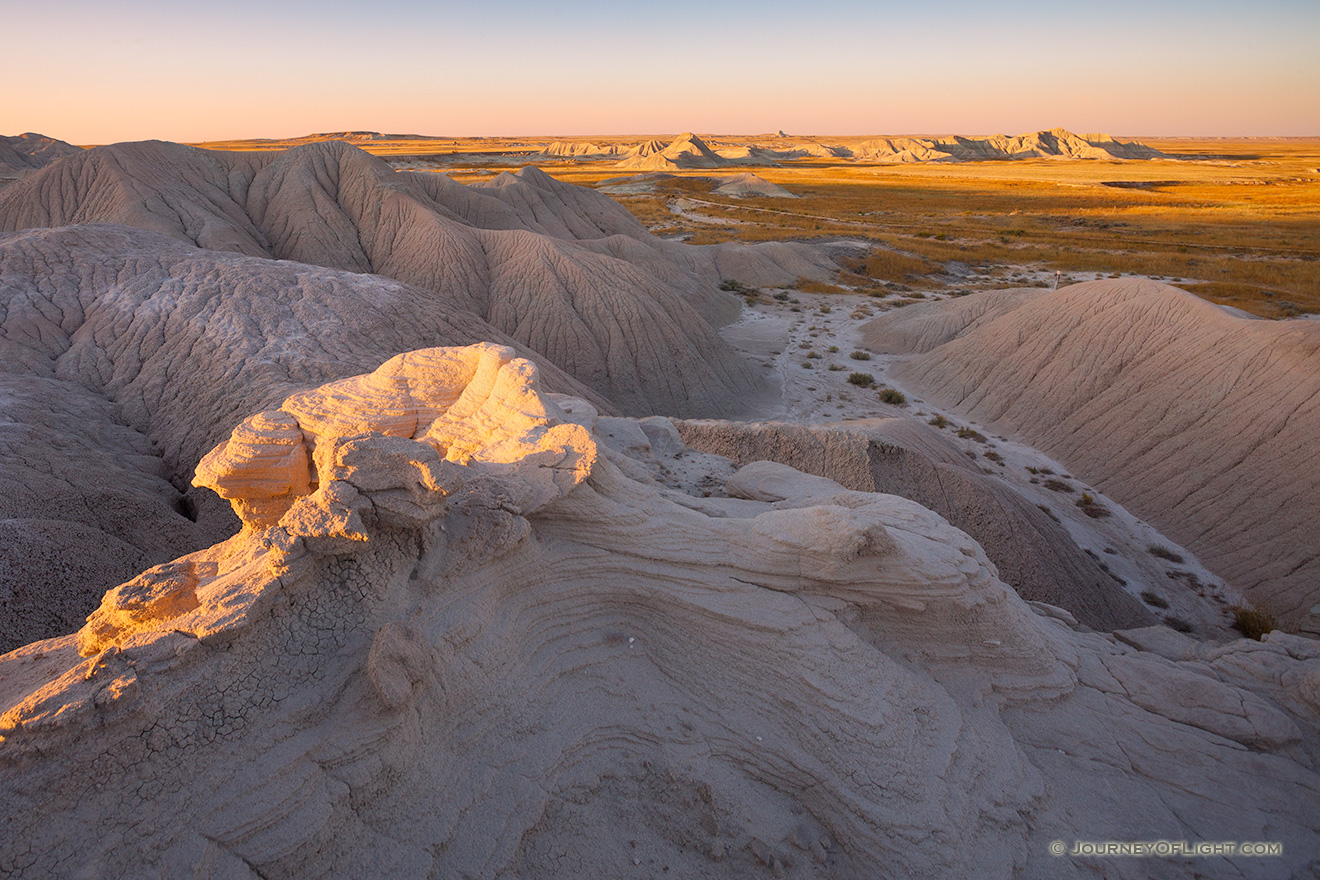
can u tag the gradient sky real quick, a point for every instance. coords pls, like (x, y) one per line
(92, 71)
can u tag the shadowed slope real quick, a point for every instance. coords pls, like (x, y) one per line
(1199, 421)
(560, 268)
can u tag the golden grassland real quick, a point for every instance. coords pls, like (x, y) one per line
(1235, 221)
(1239, 225)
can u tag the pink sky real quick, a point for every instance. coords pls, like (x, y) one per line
(98, 72)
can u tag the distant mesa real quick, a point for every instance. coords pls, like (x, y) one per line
(364, 137)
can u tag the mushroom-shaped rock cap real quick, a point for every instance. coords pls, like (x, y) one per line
(478, 406)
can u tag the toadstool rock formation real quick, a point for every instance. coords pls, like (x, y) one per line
(487, 643)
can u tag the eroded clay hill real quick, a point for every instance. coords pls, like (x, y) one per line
(463, 635)
(1201, 422)
(564, 270)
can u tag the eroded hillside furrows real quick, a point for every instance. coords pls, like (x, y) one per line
(636, 327)
(1203, 423)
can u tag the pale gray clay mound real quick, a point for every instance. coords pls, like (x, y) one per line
(1203, 423)
(901, 457)
(124, 356)
(463, 635)
(562, 269)
(750, 185)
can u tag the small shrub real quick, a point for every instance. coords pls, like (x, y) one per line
(1032, 470)
(734, 286)
(813, 355)
(1046, 471)
(806, 365)
(864, 380)
(860, 355)
(1251, 622)
(824, 310)
(833, 349)
(1164, 553)
(835, 368)
(1155, 600)
(995, 457)
(1091, 507)
(892, 396)
(781, 296)
(940, 422)
(970, 434)
(1057, 486)
(1048, 512)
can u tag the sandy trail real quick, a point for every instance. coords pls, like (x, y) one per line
(790, 337)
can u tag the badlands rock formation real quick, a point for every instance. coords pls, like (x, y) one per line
(579, 150)
(564, 270)
(1055, 143)
(461, 636)
(686, 151)
(903, 457)
(1201, 422)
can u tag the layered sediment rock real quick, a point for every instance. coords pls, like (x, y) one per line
(481, 640)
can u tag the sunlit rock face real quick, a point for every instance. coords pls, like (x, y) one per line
(473, 629)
